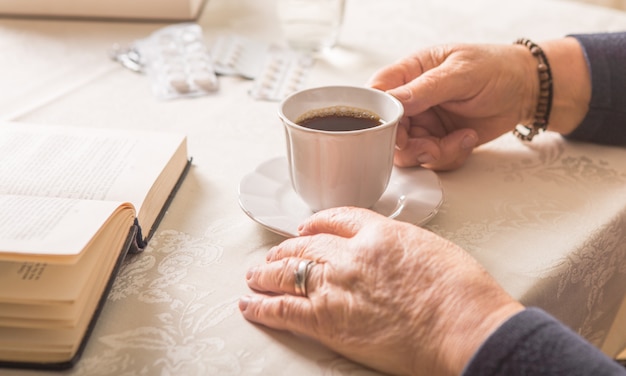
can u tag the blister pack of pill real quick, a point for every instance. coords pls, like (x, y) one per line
(181, 64)
(235, 55)
(178, 61)
(276, 72)
(283, 72)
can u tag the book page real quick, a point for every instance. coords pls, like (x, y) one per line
(65, 279)
(49, 311)
(50, 226)
(82, 163)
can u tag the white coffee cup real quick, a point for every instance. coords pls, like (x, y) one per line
(331, 168)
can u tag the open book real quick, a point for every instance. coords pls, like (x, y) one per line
(73, 202)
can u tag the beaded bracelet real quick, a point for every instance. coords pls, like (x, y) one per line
(544, 105)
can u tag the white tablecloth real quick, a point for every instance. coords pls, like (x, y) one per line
(547, 219)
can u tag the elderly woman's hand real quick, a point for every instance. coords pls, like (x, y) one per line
(384, 293)
(459, 96)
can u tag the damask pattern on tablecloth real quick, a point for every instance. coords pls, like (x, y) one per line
(175, 334)
(558, 164)
(595, 276)
(555, 185)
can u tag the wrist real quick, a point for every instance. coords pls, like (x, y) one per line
(530, 94)
(571, 84)
(473, 325)
(464, 321)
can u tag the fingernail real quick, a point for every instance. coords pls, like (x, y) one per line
(270, 254)
(425, 158)
(243, 302)
(469, 141)
(249, 273)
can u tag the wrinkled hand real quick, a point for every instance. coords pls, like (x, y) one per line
(384, 293)
(457, 97)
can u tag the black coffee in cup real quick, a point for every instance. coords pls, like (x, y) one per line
(339, 119)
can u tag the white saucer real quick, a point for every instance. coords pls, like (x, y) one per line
(414, 195)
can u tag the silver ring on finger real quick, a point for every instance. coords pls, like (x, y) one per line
(301, 273)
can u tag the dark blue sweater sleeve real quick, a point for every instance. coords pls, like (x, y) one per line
(605, 122)
(534, 343)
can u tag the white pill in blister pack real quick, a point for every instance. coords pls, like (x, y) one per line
(178, 61)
